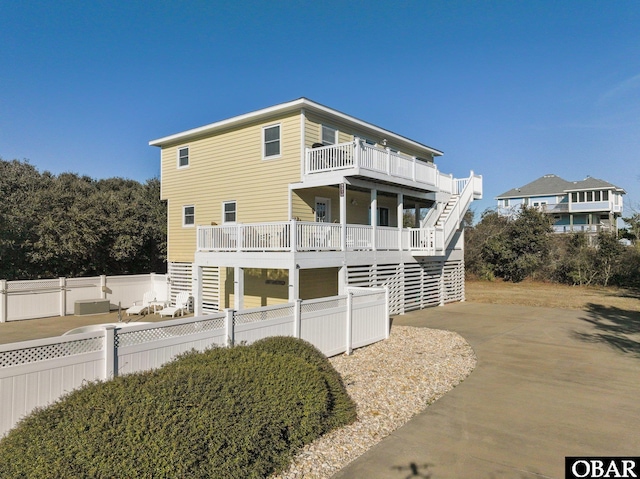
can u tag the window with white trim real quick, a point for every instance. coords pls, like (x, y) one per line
(329, 135)
(229, 212)
(271, 141)
(183, 157)
(188, 216)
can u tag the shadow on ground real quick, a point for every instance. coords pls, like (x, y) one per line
(421, 471)
(615, 327)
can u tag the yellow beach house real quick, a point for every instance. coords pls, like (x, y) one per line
(298, 201)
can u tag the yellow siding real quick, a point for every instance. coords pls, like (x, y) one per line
(358, 203)
(228, 166)
(346, 132)
(262, 287)
(318, 283)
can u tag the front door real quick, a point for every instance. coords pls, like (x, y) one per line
(323, 210)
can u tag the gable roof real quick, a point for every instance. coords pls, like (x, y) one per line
(548, 185)
(299, 104)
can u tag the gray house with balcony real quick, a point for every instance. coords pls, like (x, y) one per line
(588, 205)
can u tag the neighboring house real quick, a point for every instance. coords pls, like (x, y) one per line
(275, 205)
(589, 205)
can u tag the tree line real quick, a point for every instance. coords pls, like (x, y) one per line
(522, 247)
(72, 225)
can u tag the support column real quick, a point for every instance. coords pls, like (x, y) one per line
(343, 279)
(343, 216)
(374, 218)
(197, 291)
(294, 283)
(400, 215)
(238, 288)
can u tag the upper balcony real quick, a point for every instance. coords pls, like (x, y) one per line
(357, 158)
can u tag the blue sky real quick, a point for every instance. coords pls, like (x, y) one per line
(510, 89)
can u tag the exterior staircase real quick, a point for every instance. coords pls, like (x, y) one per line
(446, 211)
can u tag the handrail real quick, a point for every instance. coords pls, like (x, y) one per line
(357, 154)
(311, 236)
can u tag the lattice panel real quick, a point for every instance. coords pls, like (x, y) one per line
(38, 285)
(83, 282)
(256, 316)
(50, 351)
(130, 338)
(340, 302)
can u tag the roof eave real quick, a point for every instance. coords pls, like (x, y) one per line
(282, 108)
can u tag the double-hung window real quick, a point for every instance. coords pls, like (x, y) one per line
(271, 141)
(188, 216)
(183, 157)
(229, 212)
(329, 135)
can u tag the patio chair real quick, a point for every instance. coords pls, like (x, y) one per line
(144, 304)
(182, 305)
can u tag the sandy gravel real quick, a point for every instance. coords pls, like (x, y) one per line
(390, 382)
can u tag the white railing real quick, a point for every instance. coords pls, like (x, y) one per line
(360, 155)
(42, 298)
(308, 236)
(36, 373)
(317, 236)
(581, 228)
(466, 190)
(333, 157)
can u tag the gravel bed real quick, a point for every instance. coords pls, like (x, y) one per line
(390, 382)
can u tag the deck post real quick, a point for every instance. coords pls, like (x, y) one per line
(343, 216)
(238, 288)
(197, 291)
(400, 216)
(374, 218)
(294, 283)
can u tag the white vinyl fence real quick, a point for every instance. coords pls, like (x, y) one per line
(36, 373)
(43, 298)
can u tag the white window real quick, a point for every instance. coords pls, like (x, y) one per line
(323, 210)
(229, 212)
(183, 157)
(188, 216)
(605, 196)
(597, 195)
(271, 141)
(589, 195)
(329, 135)
(506, 202)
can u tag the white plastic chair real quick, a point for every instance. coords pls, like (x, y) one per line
(144, 305)
(182, 305)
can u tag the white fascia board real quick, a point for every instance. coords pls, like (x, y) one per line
(291, 106)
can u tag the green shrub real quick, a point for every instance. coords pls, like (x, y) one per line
(342, 408)
(238, 412)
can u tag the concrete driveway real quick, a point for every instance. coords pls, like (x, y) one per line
(549, 383)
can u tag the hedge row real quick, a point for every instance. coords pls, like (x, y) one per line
(236, 412)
